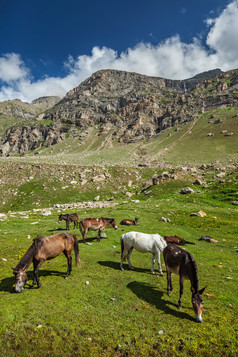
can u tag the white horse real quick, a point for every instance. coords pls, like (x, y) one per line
(144, 243)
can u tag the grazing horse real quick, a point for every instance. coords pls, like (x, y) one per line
(43, 249)
(176, 240)
(144, 243)
(69, 217)
(95, 224)
(181, 262)
(129, 222)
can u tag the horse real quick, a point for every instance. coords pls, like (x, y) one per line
(176, 240)
(129, 222)
(43, 249)
(95, 224)
(69, 217)
(144, 243)
(181, 262)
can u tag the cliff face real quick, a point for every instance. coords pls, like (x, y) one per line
(134, 106)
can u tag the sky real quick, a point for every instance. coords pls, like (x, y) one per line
(48, 47)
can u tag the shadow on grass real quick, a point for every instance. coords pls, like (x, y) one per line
(116, 266)
(7, 284)
(153, 296)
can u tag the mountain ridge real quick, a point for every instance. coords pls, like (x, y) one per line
(132, 106)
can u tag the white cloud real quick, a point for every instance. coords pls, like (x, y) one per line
(171, 58)
(12, 68)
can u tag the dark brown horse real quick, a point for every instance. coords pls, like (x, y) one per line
(69, 217)
(129, 222)
(44, 249)
(181, 262)
(95, 224)
(176, 240)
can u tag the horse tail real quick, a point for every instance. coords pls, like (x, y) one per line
(76, 251)
(122, 248)
(186, 242)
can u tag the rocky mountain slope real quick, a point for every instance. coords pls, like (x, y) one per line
(129, 106)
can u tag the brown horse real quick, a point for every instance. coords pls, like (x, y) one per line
(129, 222)
(176, 240)
(69, 217)
(181, 262)
(44, 249)
(95, 224)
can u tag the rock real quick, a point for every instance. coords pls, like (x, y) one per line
(83, 182)
(210, 134)
(128, 194)
(97, 198)
(198, 182)
(3, 216)
(199, 214)
(46, 212)
(187, 190)
(221, 174)
(165, 219)
(3, 259)
(130, 182)
(228, 134)
(73, 182)
(99, 178)
(87, 282)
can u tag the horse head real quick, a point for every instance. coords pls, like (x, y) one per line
(114, 223)
(60, 218)
(197, 302)
(20, 279)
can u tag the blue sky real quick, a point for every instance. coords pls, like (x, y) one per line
(48, 47)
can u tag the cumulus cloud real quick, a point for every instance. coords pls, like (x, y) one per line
(171, 58)
(12, 68)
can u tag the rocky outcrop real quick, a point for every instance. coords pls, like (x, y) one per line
(22, 140)
(133, 106)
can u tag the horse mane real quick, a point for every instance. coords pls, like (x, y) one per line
(194, 276)
(28, 256)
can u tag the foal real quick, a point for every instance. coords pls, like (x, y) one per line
(69, 217)
(129, 222)
(181, 262)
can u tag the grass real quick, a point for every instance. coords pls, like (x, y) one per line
(118, 313)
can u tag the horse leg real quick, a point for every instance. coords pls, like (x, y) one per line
(153, 263)
(128, 258)
(159, 264)
(180, 292)
(99, 234)
(169, 283)
(35, 262)
(37, 266)
(67, 253)
(123, 255)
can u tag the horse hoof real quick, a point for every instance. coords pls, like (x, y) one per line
(31, 286)
(38, 286)
(66, 277)
(152, 272)
(180, 307)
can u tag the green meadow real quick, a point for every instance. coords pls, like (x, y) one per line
(100, 310)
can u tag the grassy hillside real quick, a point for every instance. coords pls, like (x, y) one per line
(184, 143)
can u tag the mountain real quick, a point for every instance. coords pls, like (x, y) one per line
(129, 106)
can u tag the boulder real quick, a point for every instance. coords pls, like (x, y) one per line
(187, 190)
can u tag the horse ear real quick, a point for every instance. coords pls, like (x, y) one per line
(192, 290)
(202, 290)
